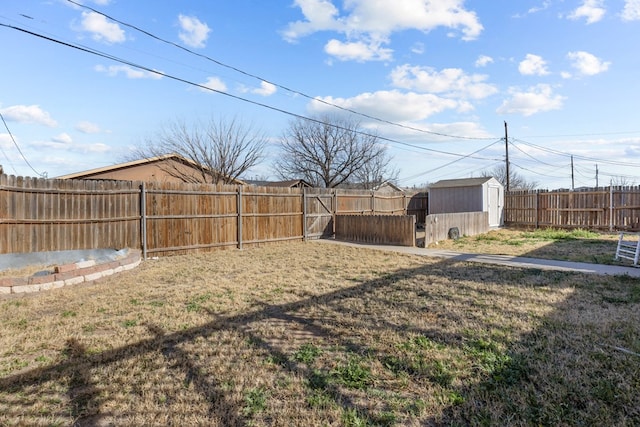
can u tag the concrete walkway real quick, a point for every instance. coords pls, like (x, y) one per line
(513, 261)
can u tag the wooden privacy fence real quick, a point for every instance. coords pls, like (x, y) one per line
(612, 208)
(437, 226)
(385, 229)
(38, 215)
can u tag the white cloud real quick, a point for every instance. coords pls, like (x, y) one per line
(544, 6)
(367, 23)
(535, 9)
(97, 147)
(483, 61)
(102, 30)
(194, 32)
(591, 10)
(215, 84)
(5, 141)
(129, 72)
(63, 138)
(64, 142)
(88, 127)
(418, 48)
(266, 89)
(537, 99)
(587, 64)
(533, 65)
(28, 114)
(631, 11)
(320, 15)
(358, 51)
(450, 81)
(390, 105)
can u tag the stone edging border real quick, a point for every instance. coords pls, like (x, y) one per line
(70, 274)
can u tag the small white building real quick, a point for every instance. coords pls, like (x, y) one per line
(484, 194)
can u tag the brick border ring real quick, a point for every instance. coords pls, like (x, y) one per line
(70, 274)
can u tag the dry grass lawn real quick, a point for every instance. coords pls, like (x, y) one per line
(316, 334)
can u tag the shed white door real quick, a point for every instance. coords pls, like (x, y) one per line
(494, 207)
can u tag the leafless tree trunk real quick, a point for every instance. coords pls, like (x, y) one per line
(219, 151)
(328, 152)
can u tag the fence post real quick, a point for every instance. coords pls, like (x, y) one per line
(610, 208)
(239, 209)
(334, 210)
(304, 214)
(373, 202)
(405, 208)
(143, 219)
(537, 209)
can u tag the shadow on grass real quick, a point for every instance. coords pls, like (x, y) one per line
(566, 369)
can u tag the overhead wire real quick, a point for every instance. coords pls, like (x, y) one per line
(577, 156)
(470, 155)
(201, 86)
(19, 150)
(530, 156)
(248, 74)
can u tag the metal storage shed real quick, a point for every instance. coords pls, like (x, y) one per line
(484, 194)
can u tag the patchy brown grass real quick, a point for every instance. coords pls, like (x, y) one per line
(565, 245)
(320, 334)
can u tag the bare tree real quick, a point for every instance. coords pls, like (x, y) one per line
(219, 151)
(516, 181)
(375, 172)
(622, 181)
(329, 151)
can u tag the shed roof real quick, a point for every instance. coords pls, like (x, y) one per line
(464, 182)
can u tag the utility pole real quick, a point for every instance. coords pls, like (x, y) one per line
(572, 181)
(506, 150)
(596, 176)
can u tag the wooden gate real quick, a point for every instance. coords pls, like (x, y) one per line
(319, 213)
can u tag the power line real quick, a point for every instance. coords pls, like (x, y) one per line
(530, 156)
(534, 172)
(583, 134)
(591, 159)
(470, 155)
(19, 150)
(183, 80)
(296, 92)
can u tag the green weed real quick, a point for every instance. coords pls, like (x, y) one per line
(307, 353)
(320, 399)
(353, 374)
(351, 418)
(129, 323)
(255, 401)
(195, 305)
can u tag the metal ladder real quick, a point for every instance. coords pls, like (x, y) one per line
(628, 249)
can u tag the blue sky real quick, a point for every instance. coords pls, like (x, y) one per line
(440, 76)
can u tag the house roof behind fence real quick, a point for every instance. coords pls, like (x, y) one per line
(89, 174)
